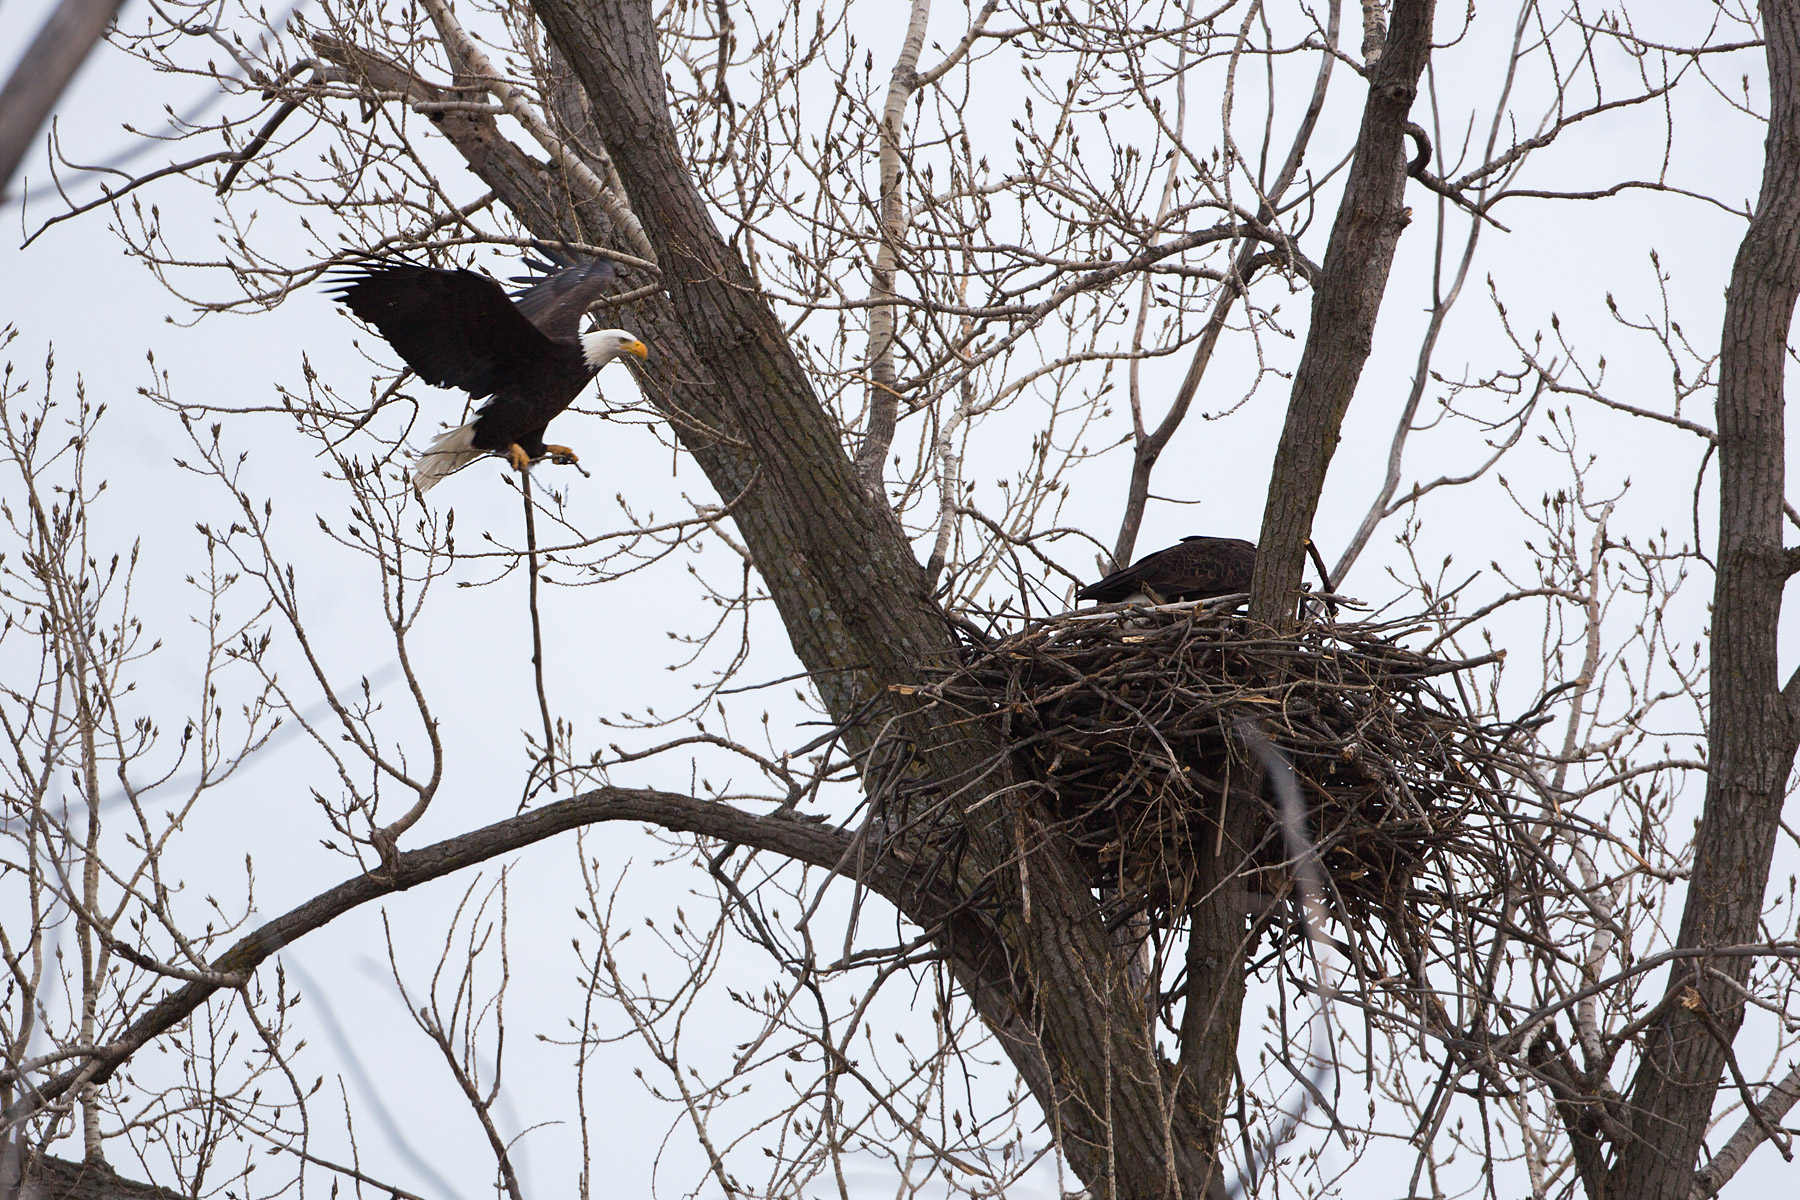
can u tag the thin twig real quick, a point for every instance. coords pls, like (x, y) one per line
(537, 633)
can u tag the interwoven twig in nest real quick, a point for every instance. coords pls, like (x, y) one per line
(1132, 726)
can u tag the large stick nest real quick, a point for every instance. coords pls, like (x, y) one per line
(1137, 728)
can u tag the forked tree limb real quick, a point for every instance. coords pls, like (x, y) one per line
(816, 844)
(468, 55)
(1150, 444)
(859, 615)
(1779, 1101)
(1346, 301)
(803, 841)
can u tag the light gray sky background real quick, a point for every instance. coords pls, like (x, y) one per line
(74, 288)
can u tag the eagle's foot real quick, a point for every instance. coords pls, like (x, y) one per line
(562, 456)
(515, 454)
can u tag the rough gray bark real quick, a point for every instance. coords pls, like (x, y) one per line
(1754, 722)
(46, 1178)
(1776, 1103)
(1016, 920)
(1346, 300)
(859, 616)
(1037, 962)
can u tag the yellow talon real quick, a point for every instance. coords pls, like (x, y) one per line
(515, 454)
(562, 456)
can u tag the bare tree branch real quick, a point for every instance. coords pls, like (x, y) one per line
(42, 73)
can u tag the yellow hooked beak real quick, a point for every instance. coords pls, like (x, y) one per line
(637, 348)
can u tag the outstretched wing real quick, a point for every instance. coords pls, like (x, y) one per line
(557, 302)
(454, 328)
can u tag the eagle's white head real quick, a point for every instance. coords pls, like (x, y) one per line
(603, 345)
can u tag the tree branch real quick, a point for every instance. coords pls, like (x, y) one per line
(609, 194)
(883, 394)
(804, 841)
(1149, 446)
(42, 73)
(1752, 736)
(1781, 1099)
(1353, 279)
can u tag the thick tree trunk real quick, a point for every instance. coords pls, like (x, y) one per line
(40, 1177)
(1046, 974)
(1352, 280)
(1753, 726)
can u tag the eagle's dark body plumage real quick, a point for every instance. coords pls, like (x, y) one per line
(524, 354)
(1194, 569)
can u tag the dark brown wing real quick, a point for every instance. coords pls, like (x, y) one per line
(454, 328)
(556, 303)
(1195, 569)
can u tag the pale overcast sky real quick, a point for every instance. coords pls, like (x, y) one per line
(103, 311)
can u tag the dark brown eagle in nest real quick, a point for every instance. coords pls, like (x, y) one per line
(524, 354)
(1195, 569)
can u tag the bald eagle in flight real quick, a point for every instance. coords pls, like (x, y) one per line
(1195, 569)
(524, 354)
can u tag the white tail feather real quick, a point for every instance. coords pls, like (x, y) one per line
(452, 451)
